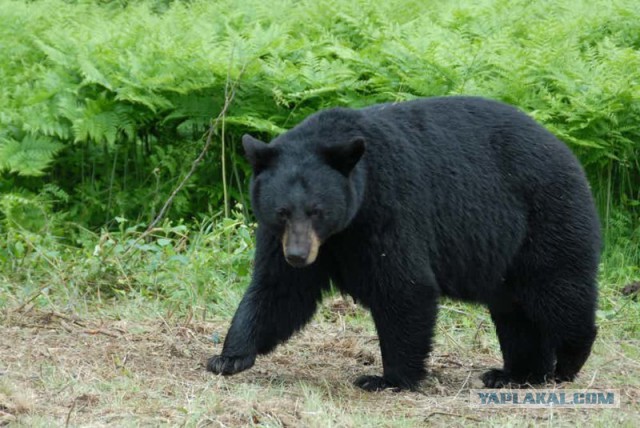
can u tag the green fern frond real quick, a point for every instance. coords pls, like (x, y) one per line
(256, 124)
(29, 157)
(91, 74)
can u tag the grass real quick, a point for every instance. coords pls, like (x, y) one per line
(101, 334)
(59, 368)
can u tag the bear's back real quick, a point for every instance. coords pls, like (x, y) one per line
(468, 176)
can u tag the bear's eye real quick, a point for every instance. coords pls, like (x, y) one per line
(315, 212)
(283, 214)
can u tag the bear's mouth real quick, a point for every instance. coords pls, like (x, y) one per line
(300, 244)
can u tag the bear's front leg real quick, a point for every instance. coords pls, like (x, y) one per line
(405, 321)
(280, 300)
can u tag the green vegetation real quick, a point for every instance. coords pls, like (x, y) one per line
(104, 106)
(107, 104)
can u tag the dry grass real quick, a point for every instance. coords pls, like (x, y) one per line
(57, 369)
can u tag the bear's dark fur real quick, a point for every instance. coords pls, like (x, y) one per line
(398, 204)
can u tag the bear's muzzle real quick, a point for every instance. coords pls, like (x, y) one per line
(300, 243)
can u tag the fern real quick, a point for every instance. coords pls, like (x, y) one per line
(28, 157)
(129, 91)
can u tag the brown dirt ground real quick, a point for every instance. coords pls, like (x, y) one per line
(57, 369)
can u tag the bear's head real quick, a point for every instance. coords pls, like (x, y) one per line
(305, 189)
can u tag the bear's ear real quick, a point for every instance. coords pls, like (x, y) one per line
(259, 154)
(344, 157)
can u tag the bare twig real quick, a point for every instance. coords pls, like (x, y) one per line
(67, 318)
(227, 102)
(101, 331)
(68, 419)
(33, 297)
(437, 412)
(593, 379)
(475, 336)
(229, 94)
(223, 146)
(463, 385)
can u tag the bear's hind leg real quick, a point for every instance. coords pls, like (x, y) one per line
(572, 354)
(526, 348)
(576, 336)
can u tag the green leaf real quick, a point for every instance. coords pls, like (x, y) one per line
(29, 157)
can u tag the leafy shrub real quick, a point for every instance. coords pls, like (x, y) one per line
(108, 101)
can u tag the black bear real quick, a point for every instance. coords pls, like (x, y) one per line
(398, 204)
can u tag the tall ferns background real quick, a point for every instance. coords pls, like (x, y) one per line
(104, 104)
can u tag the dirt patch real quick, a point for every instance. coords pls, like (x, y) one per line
(59, 369)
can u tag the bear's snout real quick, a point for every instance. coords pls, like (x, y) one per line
(300, 244)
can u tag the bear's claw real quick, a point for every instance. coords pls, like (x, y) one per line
(225, 365)
(495, 378)
(374, 383)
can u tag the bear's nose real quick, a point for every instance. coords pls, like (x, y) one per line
(296, 261)
(296, 256)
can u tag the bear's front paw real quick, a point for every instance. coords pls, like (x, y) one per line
(374, 383)
(220, 364)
